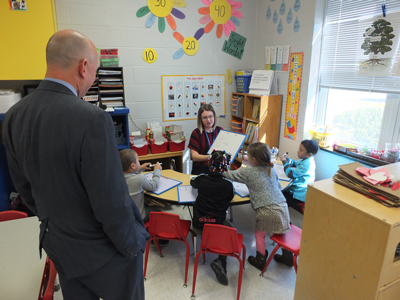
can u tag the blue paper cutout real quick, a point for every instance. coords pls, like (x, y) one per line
(275, 17)
(178, 54)
(296, 25)
(289, 16)
(235, 20)
(280, 27)
(288, 124)
(297, 5)
(150, 20)
(269, 13)
(282, 9)
(272, 0)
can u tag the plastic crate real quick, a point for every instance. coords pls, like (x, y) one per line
(173, 146)
(324, 140)
(142, 150)
(158, 148)
(243, 83)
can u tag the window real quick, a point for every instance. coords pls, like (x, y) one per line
(359, 87)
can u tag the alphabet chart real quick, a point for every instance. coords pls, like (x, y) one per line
(182, 95)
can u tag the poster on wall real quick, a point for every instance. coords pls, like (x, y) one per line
(293, 95)
(182, 95)
(17, 4)
(379, 45)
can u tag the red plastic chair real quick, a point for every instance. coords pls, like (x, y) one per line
(302, 206)
(46, 291)
(12, 215)
(168, 226)
(289, 241)
(221, 240)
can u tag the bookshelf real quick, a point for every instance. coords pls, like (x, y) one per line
(109, 87)
(264, 111)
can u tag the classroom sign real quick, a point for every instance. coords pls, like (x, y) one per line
(234, 45)
(293, 95)
(182, 95)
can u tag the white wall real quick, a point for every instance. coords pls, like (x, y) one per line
(112, 24)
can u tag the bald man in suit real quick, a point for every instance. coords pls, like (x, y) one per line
(64, 162)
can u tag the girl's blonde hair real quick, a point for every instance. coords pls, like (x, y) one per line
(261, 153)
(203, 108)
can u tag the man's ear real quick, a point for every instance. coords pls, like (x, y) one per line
(83, 67)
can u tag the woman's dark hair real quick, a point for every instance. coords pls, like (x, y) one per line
(261, 153)
(219, 161)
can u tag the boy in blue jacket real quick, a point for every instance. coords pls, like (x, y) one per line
(302, 174)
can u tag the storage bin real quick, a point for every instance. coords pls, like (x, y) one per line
(154, 148)
(243, 83)
(142, 150)
(174, 146)
(324, 140)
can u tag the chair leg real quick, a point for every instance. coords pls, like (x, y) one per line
(295, 262)
(240, 277)
(196, 263)
(187, 263)
(157, 243)
(269, 259)
(146, 258)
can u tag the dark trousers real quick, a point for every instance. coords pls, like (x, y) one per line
(120, 278)
(291, 202)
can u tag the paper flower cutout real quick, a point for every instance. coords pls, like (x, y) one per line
(190, 46)
(162, 9)
(224, 13)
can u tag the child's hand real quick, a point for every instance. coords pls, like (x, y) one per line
(283, 159)
(145, 166)
(157, 166)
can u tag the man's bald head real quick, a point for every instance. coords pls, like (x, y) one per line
(66, 48)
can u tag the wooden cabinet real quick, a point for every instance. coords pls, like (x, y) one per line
(348, 246)
(24, 36)
(265, 111)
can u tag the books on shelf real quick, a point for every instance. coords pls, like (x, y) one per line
(256, 109)
(250, 132)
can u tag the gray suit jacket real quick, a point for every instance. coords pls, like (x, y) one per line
(64, 162)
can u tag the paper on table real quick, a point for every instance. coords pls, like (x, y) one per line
(281, 173)
(187, 194)
(241, 189)
(164, 185)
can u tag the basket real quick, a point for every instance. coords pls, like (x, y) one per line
(324, 140)
(173, 146)
(243, 83)
(155, 149)
(142, 150)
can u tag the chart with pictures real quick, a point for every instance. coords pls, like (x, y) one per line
(182, 95)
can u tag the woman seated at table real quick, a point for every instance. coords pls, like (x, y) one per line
(202, 138)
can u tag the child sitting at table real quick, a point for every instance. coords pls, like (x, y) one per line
(214, 194)
(302, 174)
(266, 198)
(137, 182)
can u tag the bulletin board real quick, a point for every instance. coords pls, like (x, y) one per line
(182, 95)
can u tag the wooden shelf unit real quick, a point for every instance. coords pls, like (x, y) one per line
(165, 159)
(348, 246)
(269, 120)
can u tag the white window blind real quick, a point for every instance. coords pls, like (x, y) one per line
(341, 45)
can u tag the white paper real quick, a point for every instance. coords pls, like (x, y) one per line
(281, 173)
(241, 189)
(164, 185)
(280, 55)
(187, 194)
(267, 55)
(286, 53)
(273, 55)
